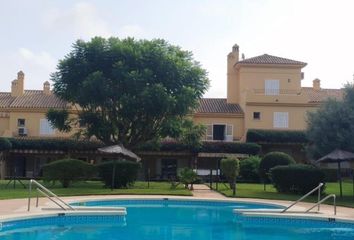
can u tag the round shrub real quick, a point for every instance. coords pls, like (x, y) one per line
(67, 171)
(126, 172)
(271, 160)
(249, 169)
(5, 144)
(296, 178)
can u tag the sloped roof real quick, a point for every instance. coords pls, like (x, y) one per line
(217, 105)
(322, 94)
(31, 99)
(269, 59)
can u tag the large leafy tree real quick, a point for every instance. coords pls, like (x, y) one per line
(332, 125)
(127, 91)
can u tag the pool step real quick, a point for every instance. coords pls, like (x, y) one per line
(118, 210)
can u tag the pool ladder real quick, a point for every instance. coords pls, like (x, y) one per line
(319, 201)
(48, 194)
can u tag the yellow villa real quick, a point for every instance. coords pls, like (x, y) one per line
(263, 92)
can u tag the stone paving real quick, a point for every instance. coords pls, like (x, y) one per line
(18, 207)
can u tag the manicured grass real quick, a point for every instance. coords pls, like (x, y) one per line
(94, 188)
(254, 190)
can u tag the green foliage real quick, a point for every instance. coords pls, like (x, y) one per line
(209, 147)
(230, 168)
(231, 147)
(55, 144)
(273, 136)
(5, 144)
(129, 90)
(331, 174)
(271, 160)
(59, 119)
(249, 169)
(296, 178)
(332, 125)
(187, 176)
(126, 173)
(67, 171)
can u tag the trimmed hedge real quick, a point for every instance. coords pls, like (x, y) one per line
(273, 159)
(67, 171)
(126, 172)
(296, 178)
(249, 169)
(208, 147)
(55, 144)
(273, 136)
(5, 144)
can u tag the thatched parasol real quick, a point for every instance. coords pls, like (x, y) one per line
(337, 156)
(120, 152)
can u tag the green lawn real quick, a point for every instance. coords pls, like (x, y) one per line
(254, 190)
(94, 188)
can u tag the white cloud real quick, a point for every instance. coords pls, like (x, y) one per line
(41, 59)
(83, 20)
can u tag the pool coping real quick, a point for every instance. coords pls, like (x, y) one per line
(278, 203)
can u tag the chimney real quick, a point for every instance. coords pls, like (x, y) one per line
(316, 84)
(17, 85)
(46, 88)
(232, 84)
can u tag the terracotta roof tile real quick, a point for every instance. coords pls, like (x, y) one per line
(322, 94)
(269, 59)
(31, 99)
(217, 105)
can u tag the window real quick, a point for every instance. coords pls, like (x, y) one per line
(281, 120)
(256, 115)
(271, 87)
(45, 128)
(21, 122)
(219, 132)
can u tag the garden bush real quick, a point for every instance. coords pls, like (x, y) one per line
(5, 144)
(126, 172)
(271, 160)
(249, 168)
(331, 174)
(230, 168)
(187, 176)
(296, 178)
(67, 171)
(273, 136)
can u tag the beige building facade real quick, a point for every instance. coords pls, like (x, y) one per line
(263, 92)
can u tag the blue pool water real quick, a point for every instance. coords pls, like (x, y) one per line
(175, 220)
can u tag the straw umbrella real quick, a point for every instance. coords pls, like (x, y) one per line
(337, 156)
(121, 152)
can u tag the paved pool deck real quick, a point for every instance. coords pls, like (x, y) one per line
(18, 207)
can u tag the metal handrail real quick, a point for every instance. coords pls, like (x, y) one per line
(46, 192)
(324, 199)
(305, 196)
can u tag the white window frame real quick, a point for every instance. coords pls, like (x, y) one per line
(228, 134)
(45, 128)
(271, 87)
(281, 119)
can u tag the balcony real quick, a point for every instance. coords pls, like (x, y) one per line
(285, 96)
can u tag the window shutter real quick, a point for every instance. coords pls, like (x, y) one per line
(281, 120)
(209, 132)
(229, 133)
(45, 127)
(271, 87)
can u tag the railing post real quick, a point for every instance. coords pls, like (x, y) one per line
(319, 198)
(29, 195)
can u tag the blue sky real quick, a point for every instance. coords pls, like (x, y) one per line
(36, 34)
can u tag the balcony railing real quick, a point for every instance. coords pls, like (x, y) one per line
(274, 92)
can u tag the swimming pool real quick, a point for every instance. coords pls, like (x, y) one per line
(174, 219)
